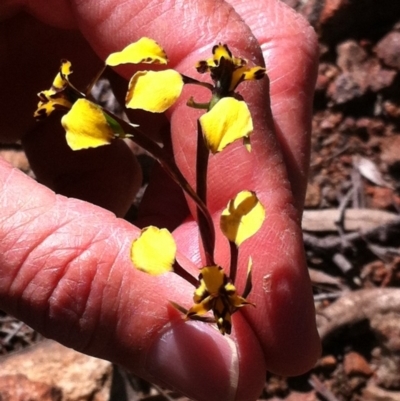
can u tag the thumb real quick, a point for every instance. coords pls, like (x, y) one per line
(65, 271)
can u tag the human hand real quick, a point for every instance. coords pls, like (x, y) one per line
(65, 266)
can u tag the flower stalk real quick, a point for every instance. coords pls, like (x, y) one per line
(226, 119)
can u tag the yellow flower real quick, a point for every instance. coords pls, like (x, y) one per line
(228, 117)
(153, 252)
(61, 95)
(86, 125)
(228, 71)
(243, 217)
(216, 293)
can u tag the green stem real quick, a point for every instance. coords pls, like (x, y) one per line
(207, 237)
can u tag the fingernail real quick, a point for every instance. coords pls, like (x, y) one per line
(194, 359)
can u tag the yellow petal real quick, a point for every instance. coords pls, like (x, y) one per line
(199, 309)
(54, 98)
(212, 277)
(48, 105)
(61, 79)
(220, 51)
(242, 218)
(154, 91)
(237, 301)
(86, 126)
(227, 121)
(246, 74)
(145, 50)
(154, 251)
(203, 66)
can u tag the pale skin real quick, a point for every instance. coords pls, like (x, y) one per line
(64, 265)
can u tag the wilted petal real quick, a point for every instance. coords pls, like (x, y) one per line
(48, 104)
(145, 50)
(55, 98)
(243, 217)
(86, 126)
(154, 251)
(227, 121)
(154, 91)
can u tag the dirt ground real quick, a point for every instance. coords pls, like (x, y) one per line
(351, 223)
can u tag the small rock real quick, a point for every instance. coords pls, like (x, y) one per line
(387, 329)
(328, 362)
(19, 388)
(360, 74)
(355, 364)
(350, 55)
(322, 82)
(347, 87)
(388, 49)
(79, 377)
(390, 148)
(331, 121)
(375, 127)
(379, 197)
(391, 109)
(326, 74)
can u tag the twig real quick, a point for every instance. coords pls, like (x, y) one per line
(327, 295)
(13, 332)
(321, 389)
(355, 306)
(358, 193)
(339, 223)
(332, 243)
(323, 220)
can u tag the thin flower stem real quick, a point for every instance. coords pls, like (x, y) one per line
(189, 80)
(234, 251)
(201, 190)
(169, 165)
(180, 271)
(249, 282)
